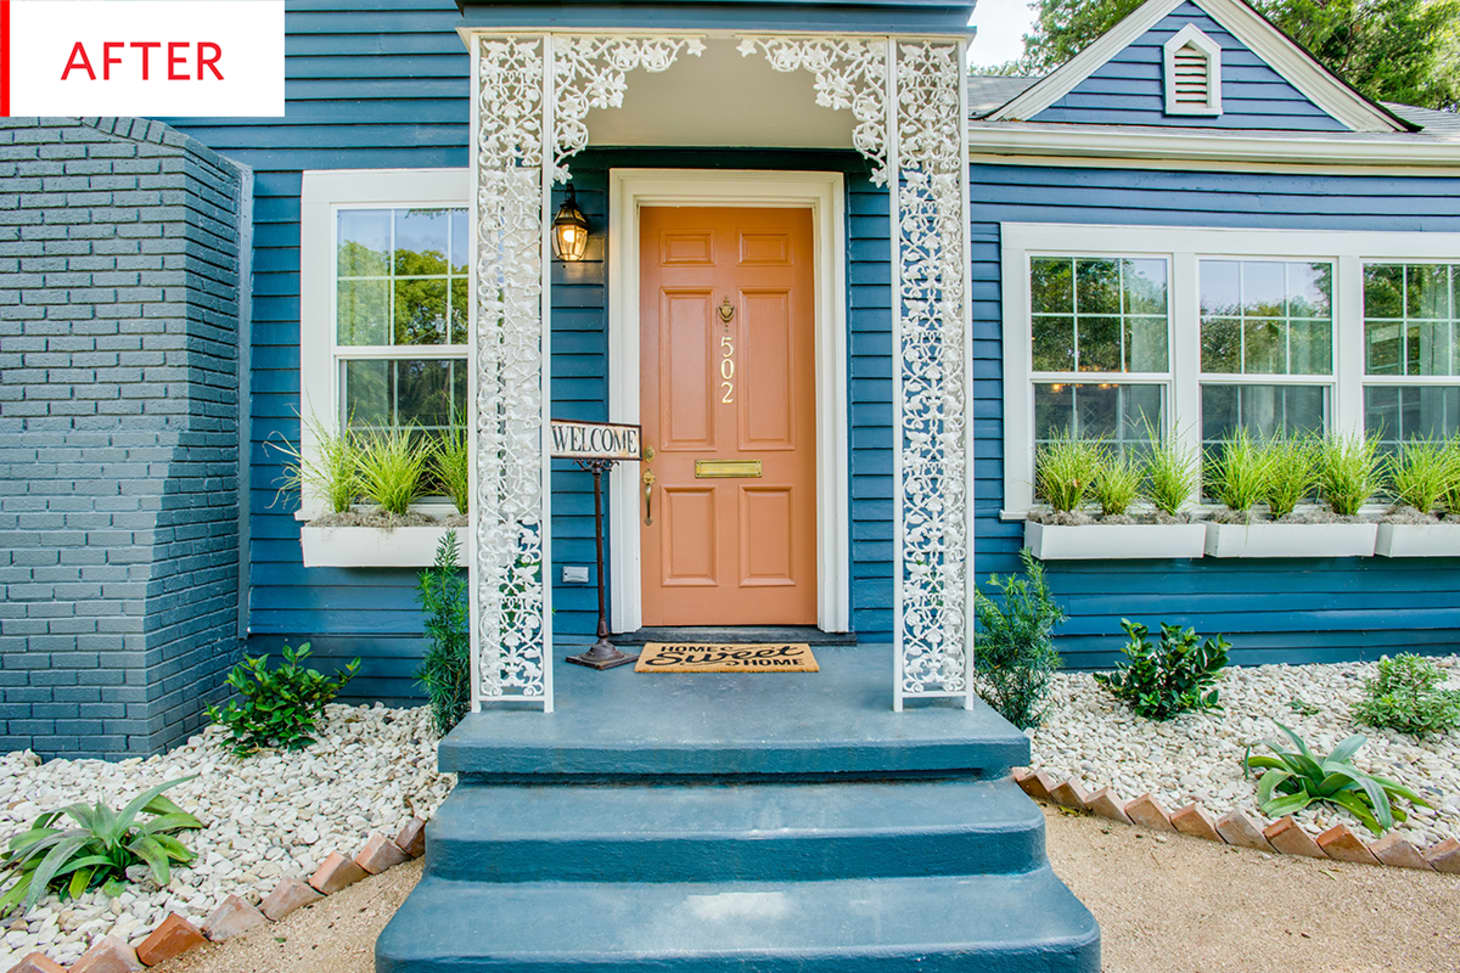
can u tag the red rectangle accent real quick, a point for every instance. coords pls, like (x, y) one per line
(4, 58)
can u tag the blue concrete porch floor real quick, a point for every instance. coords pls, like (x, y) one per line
(837, 721)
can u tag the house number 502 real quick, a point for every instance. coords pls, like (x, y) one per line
(727, 369)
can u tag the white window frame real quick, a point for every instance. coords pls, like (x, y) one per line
(1193, 35)
(1184, 247)
(1409, 381)
(323, 193)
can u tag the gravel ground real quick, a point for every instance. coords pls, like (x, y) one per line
(1094, 738)
(1154, 899)
(267, 817)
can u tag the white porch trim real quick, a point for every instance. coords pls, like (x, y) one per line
(822, 193)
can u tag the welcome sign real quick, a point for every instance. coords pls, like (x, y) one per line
(594, 440)
(170, 58)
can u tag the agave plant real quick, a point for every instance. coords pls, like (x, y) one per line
(1295, 779)
(99, 851)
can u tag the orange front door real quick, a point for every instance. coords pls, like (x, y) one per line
(727, 382)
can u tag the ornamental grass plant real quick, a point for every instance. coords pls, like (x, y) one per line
(1423, 472)
(1289, 472)
(393, 466)
(1236, 473)
(331, 470)
(1171, 476)
(451, 463)
(1117, 482)
(1064, 471)
(1349, 472)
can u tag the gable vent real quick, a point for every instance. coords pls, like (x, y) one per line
(1193, 74)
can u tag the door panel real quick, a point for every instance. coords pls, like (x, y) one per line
(737, 549)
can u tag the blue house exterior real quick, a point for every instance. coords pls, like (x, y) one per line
(1265, 141)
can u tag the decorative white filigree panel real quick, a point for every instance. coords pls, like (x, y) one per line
(851, 74)
(590, 71)
(510, 629)
(533, 94)
(931, 269)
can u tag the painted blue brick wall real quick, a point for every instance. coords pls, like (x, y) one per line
(1298, 610)
(1128, 89)
(118, 433)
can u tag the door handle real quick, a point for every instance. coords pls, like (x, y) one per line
(648, 497)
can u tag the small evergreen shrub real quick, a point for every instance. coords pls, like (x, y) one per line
(1117, 482)
(393, 467)
(1406, 696)
(445, 670)
(1064, 470)
(1349, 473)
(98, 852)
(1290, 473)
(1236, 472)
(1171, 474)
(1175, 676)
(280, 706)
(1016, 654)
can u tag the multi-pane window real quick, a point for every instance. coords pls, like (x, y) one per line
(1262, 318)
(401, 306)
(1411, 351)
(1100, 330)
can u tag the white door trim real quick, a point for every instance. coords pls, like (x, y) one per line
(822, 192)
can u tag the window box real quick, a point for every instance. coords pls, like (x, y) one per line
(1290, 540)
(1418, 540)
(375, 547)
(1054, 542)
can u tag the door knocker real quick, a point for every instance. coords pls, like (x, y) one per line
(727, 311)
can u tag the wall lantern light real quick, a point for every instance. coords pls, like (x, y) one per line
(570, 229)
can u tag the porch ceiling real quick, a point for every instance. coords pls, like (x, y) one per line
(724, 100)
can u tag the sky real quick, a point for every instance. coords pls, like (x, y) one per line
(1001, 25)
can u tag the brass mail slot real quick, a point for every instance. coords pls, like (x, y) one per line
(711, 468)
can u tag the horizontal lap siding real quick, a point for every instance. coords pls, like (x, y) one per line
(376, 84)
(1129, 88)
(1270, 610)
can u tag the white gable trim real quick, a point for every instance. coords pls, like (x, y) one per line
(1193, 36)
(1289, 60)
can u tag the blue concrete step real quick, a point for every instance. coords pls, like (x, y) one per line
(727, 832)
(1009, 923)
(621, 724)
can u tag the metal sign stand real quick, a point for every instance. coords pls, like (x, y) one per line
(603, 654)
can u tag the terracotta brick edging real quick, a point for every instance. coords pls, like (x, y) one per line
(1283, 836)
(235, 915)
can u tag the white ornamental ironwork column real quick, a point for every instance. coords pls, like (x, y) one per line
(932, 371)
(911, 125)
(531, 96)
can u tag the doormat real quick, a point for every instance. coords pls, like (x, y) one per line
(711, 657)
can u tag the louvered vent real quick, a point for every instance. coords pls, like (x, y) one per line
(1191, 77)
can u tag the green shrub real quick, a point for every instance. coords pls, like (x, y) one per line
(280, 706)
(332, 470)
(445, 670)
(1348, 472)
(99, 851)
(1290, 472)
(1064, 469)
(451, 463)
(1171, 475)
(1236, 474)
(1160, 681)
(393, 465)
(1117, 482)
(1016, 653)
(1406, 696)
(1294, 779)
(1423, 472)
